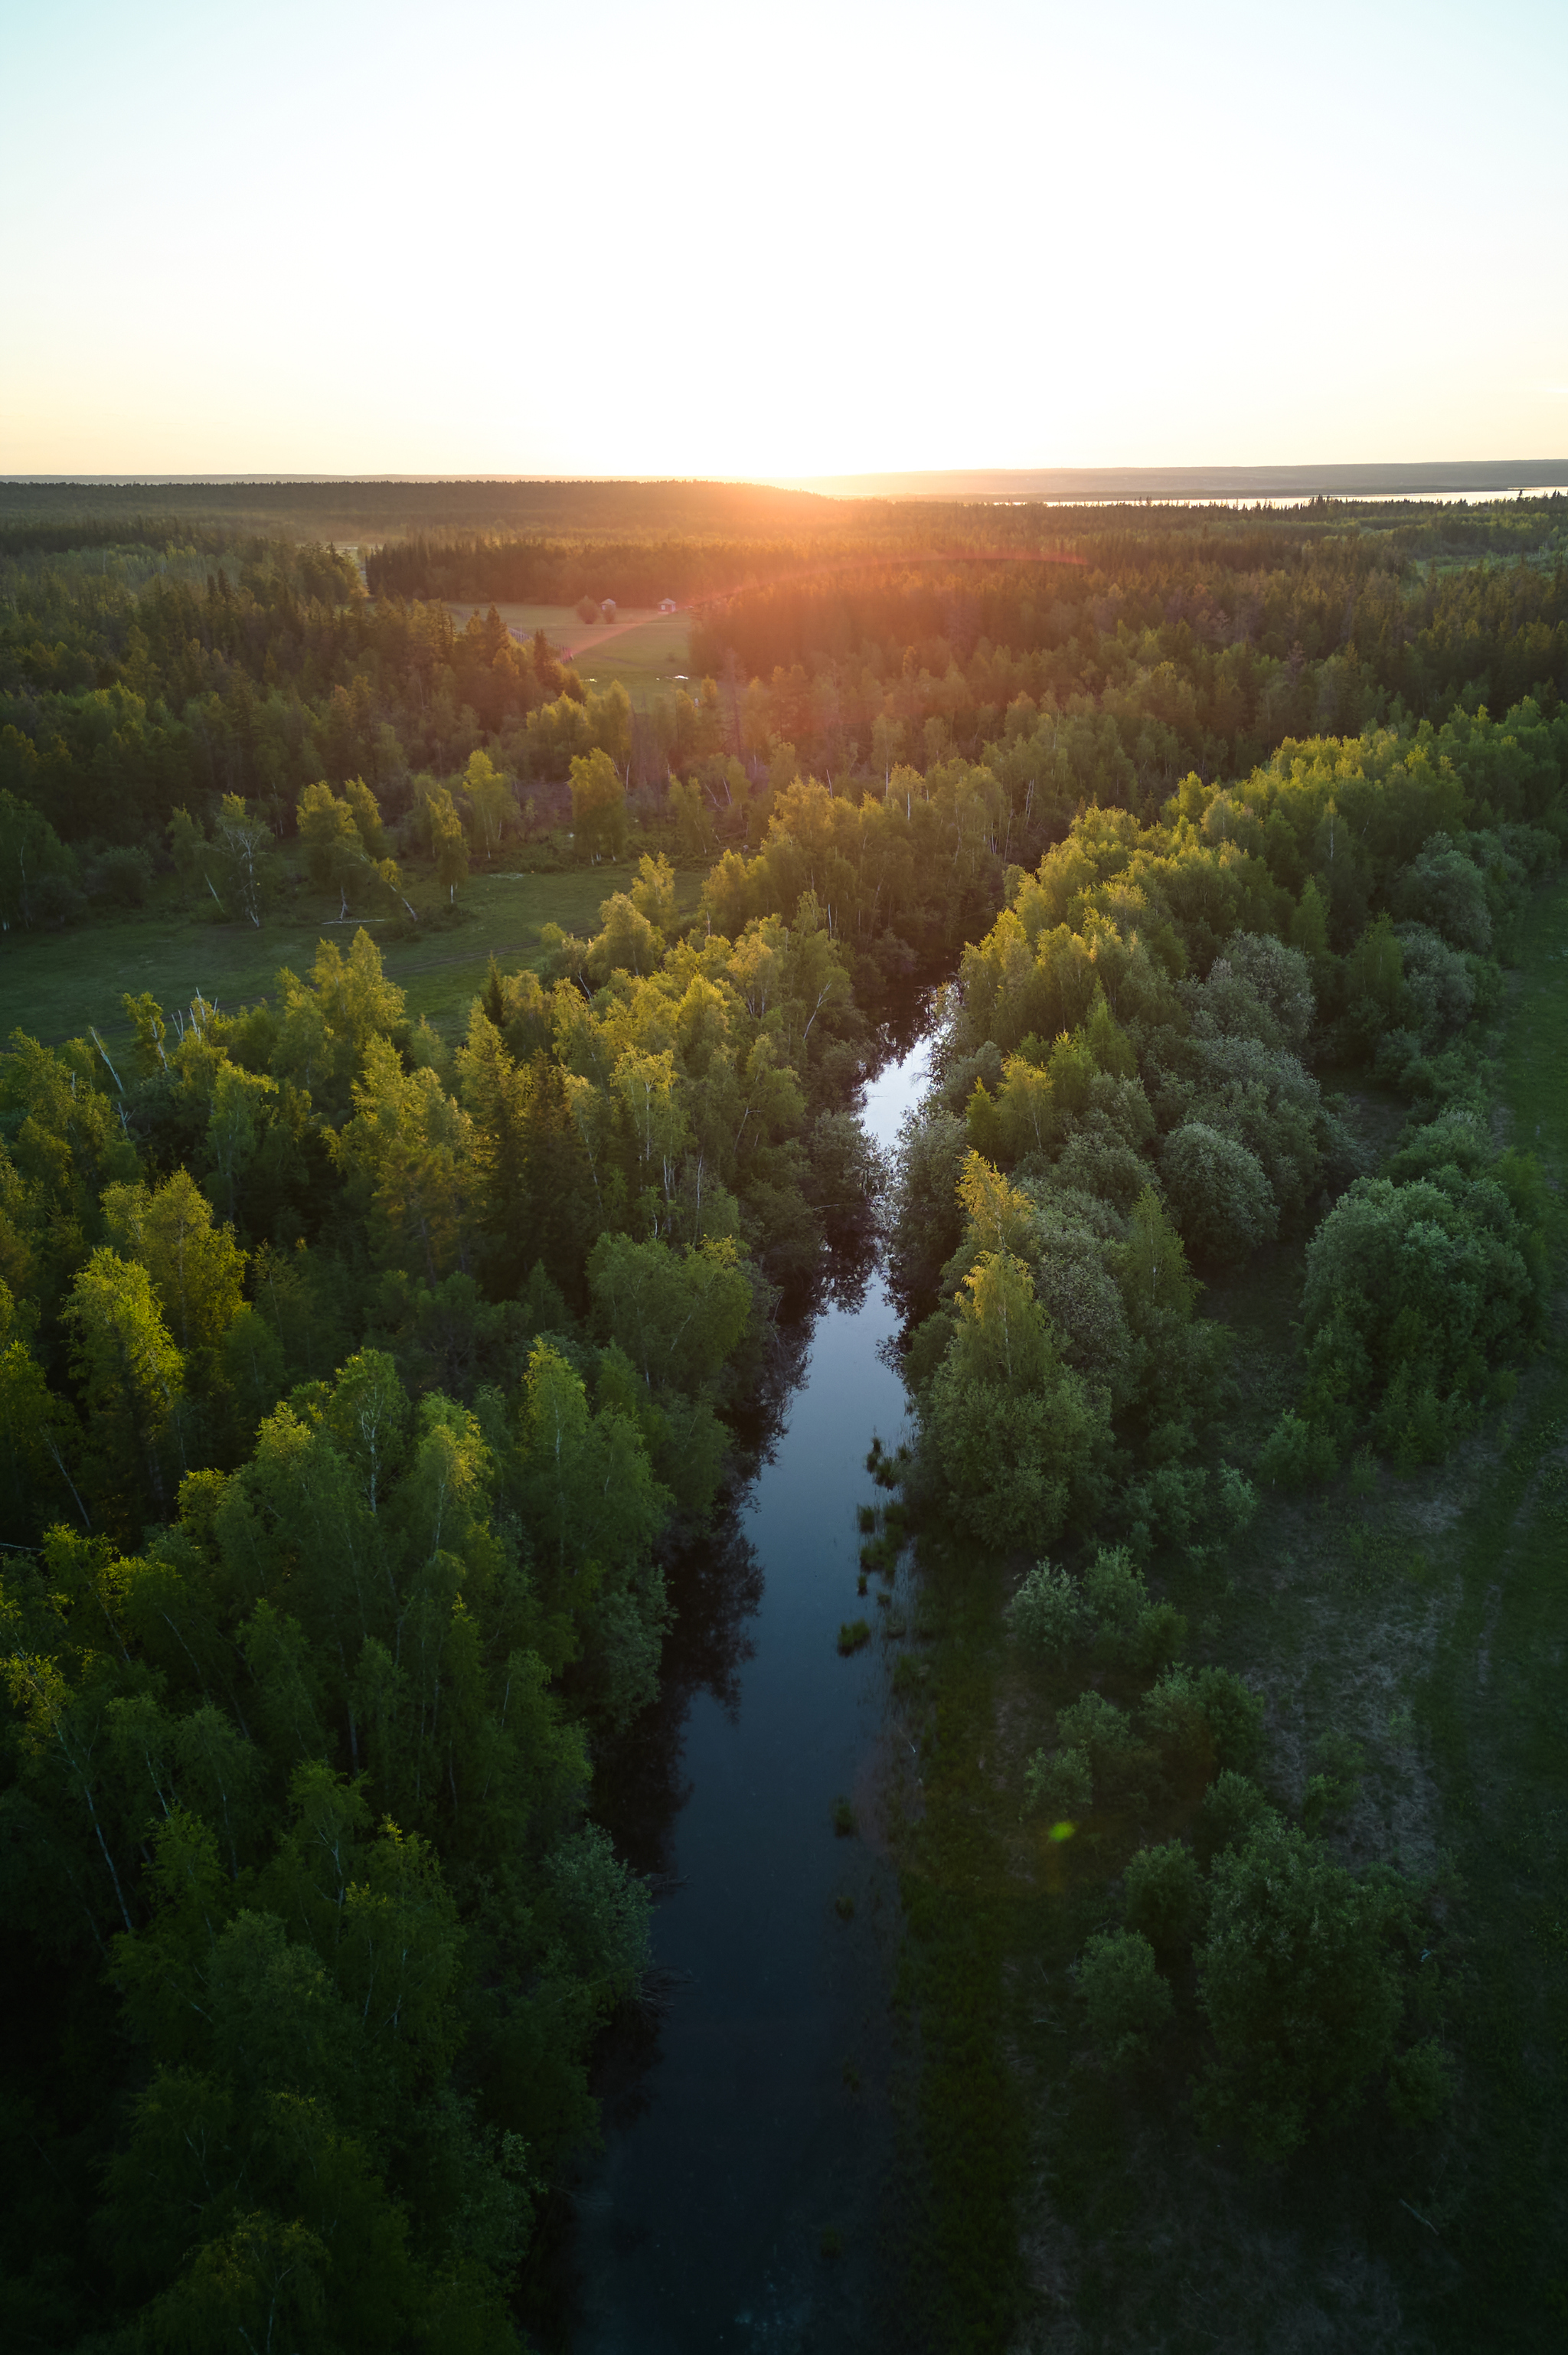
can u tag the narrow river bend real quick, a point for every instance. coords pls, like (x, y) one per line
(739, 2209)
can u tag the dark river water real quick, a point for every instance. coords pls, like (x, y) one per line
(737, 2203)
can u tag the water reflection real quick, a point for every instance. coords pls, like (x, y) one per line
(747, 2134)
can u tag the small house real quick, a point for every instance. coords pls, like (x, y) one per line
(608, 608)
(667, 605)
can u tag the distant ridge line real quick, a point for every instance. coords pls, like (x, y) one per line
(1387, 480)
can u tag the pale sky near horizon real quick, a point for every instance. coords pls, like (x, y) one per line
(696, 240)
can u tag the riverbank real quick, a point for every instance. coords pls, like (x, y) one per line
(749, 2133)
(1422, 1621)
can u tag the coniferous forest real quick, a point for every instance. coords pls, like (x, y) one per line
(381, 1383)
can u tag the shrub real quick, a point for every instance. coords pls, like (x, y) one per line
(1204, 1717)
(1165, 1897)
(1421, 2085)
(1233, 1808)
(1237, 1499)
(1443, 887)
(1280, 978)
(123, 876)
(1127, 1999)
(1130, 1629)
(1048, 1613)
(602, 1910)
(1234, 1715)
(1114, 1591)
(56, 903)
(1221, 1199)
(1020, 1437)
(1096, 1725)
(1414, 1289)
(1329, 1792)
(1060, 1783)
(1438, 983)
(1295, 1454)
(1299, 1987)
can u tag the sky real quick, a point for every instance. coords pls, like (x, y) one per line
(692, 238)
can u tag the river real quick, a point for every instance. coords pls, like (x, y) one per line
(738, 2207)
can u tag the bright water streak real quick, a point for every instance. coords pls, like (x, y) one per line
(703, 2227)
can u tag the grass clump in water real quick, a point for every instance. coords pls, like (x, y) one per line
(844, 1823)
(853, 1633)
(888, 1471)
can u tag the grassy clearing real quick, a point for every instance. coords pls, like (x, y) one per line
(557, 622)
(645, 657)
(1427, 1620)
(53, 984)
(648, 659)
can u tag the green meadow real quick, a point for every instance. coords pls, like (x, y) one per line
(647, 656)
(52, 985)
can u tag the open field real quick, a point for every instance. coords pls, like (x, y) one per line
(648, 654)
(643, 649)
(53, 985)
(557, 622)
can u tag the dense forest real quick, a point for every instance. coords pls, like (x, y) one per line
(361, 1379)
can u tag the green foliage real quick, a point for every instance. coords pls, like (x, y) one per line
(1152, 1267)
(1126, 2000)
(1100, 1731)
(1413, 1290)
(1060, 1783)
(1165, 1898)
(598, 804)
(1233, 1809)
(1340, 1763)
(402, 1356)
(1421, 2084)
(38, 872)
(1295, 1454)
(1020, 1436)
(1130, 1630)
(1300, 1990)
(1048, 1615)
(1205, 1718)
(350, 1620)
(1219, 1191)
